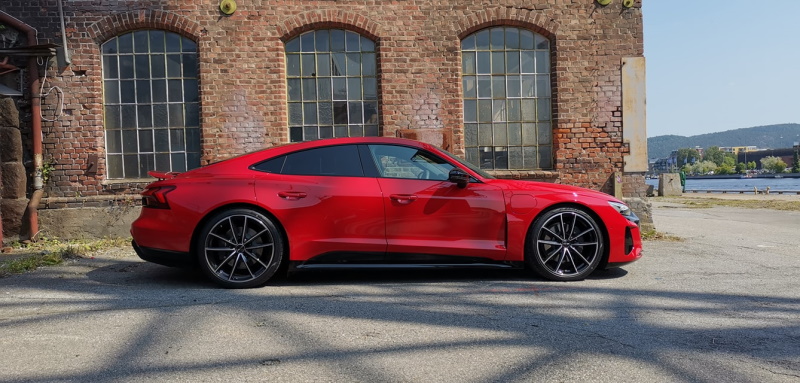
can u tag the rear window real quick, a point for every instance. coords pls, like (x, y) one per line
(342, 161)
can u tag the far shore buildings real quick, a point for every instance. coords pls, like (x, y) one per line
(94, 94)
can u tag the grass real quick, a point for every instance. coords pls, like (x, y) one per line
(653, 235)
(49, 252)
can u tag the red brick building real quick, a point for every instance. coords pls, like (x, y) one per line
(549, 90)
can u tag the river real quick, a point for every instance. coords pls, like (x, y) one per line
(745, 184)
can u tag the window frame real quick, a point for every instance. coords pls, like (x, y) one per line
(507, 96)
(151, 103)
(331, 85)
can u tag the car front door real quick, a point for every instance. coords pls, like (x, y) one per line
(427, 214)
(324, 202)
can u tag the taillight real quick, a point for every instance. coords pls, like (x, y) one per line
(156, 197)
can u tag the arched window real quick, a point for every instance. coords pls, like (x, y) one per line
(150, 92)
(507, 109)
(331, 77)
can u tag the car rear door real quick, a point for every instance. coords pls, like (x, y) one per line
(427, 214)
(324, 202)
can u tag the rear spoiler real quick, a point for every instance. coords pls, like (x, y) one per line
(163, 175)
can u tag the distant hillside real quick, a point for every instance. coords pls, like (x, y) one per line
(764, 137)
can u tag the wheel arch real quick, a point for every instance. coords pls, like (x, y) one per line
(237, 205)
(585, 209)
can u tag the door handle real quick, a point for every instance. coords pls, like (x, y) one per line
(292, 195)
(403, 199)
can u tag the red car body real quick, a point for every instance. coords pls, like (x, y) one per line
(374, 215)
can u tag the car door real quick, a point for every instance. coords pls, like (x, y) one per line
(427, 214)
(324, 202)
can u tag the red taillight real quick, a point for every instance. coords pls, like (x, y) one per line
(156, 197)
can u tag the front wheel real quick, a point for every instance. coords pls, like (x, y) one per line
(566, 244)
(240, 248)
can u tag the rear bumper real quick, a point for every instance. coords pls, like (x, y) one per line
(163, 257)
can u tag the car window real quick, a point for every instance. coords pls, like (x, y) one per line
(395, 161)
(340, 161)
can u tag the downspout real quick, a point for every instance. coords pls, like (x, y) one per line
(32, 211)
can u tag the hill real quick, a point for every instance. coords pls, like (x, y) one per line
(764, 137)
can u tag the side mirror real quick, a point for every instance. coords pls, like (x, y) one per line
(458, 177)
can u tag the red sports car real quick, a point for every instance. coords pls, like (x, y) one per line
(374, 202)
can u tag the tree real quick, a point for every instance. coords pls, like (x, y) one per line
(773, 164)
(796, 159)
(704, 167)
(714, 154)
(741, 167)
(751, 165)
(687, 156)
(728, 166)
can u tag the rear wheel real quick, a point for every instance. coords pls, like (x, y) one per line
(566, 245)
(240, 248)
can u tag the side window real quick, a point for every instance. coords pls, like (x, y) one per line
(405, 162)
(342, 161)
(274, 165)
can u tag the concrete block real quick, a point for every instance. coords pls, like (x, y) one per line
(10, 144)
(88, 222)
(13, 179)
(669, 185)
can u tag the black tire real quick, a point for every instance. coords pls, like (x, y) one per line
(566, 244)
(240, 248)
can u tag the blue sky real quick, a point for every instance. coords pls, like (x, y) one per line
(720, 65)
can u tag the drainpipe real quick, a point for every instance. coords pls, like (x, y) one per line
(32, 212)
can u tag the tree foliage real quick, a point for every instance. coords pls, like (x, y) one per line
(773, 164)
(687, 156)
(702, 168)
(796, 160)
(714, 154)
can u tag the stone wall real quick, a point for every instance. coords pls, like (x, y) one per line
(13, 201)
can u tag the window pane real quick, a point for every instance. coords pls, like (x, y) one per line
(309, 113)
(158, 66)
(370, 112)
(112, 117)
(370, 88)
(173, 42)
(175, 91)
(293, 89)
(468, 62)
(340, 112)
(176, 140)
(174, 65)
(160, 116)
(368, 63)
(337, 40)
(353, 41)
(339, 88)
(110, 69)
(157, 41)
(143, 91)
(146, 140)
(339, 64)
(323, 65)
(308, 65)
(176, 115)
(484, 62)
(292, 65)
(484, 86)
(355, 112)
(353, 88)
(125, 66)
(307, 42)
(498, 87)
(111, 92)
(144, 115)
(323, 41)
(482, 40)
(130, 164)
(470, 111)
(326, 113)
(142, 64)
(114, 141)
(470, 87)
(295, 113)
(189, 65)
(161, 139)
(309, 89)
(512, 38)
(498, 62)
(324, 89)
(127, 91)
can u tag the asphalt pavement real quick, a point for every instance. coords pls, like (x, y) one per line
(723, 304)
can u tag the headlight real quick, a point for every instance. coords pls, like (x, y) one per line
(620, 207)
(625, 211)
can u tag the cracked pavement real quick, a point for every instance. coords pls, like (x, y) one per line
(721, 305)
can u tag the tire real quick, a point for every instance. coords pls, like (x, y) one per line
(240, 248)
(566, 244)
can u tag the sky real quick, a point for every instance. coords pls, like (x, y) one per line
(720, 65)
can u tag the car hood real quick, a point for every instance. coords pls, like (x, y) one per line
(537, 188)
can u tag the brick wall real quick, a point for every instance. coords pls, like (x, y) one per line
(242, 74)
